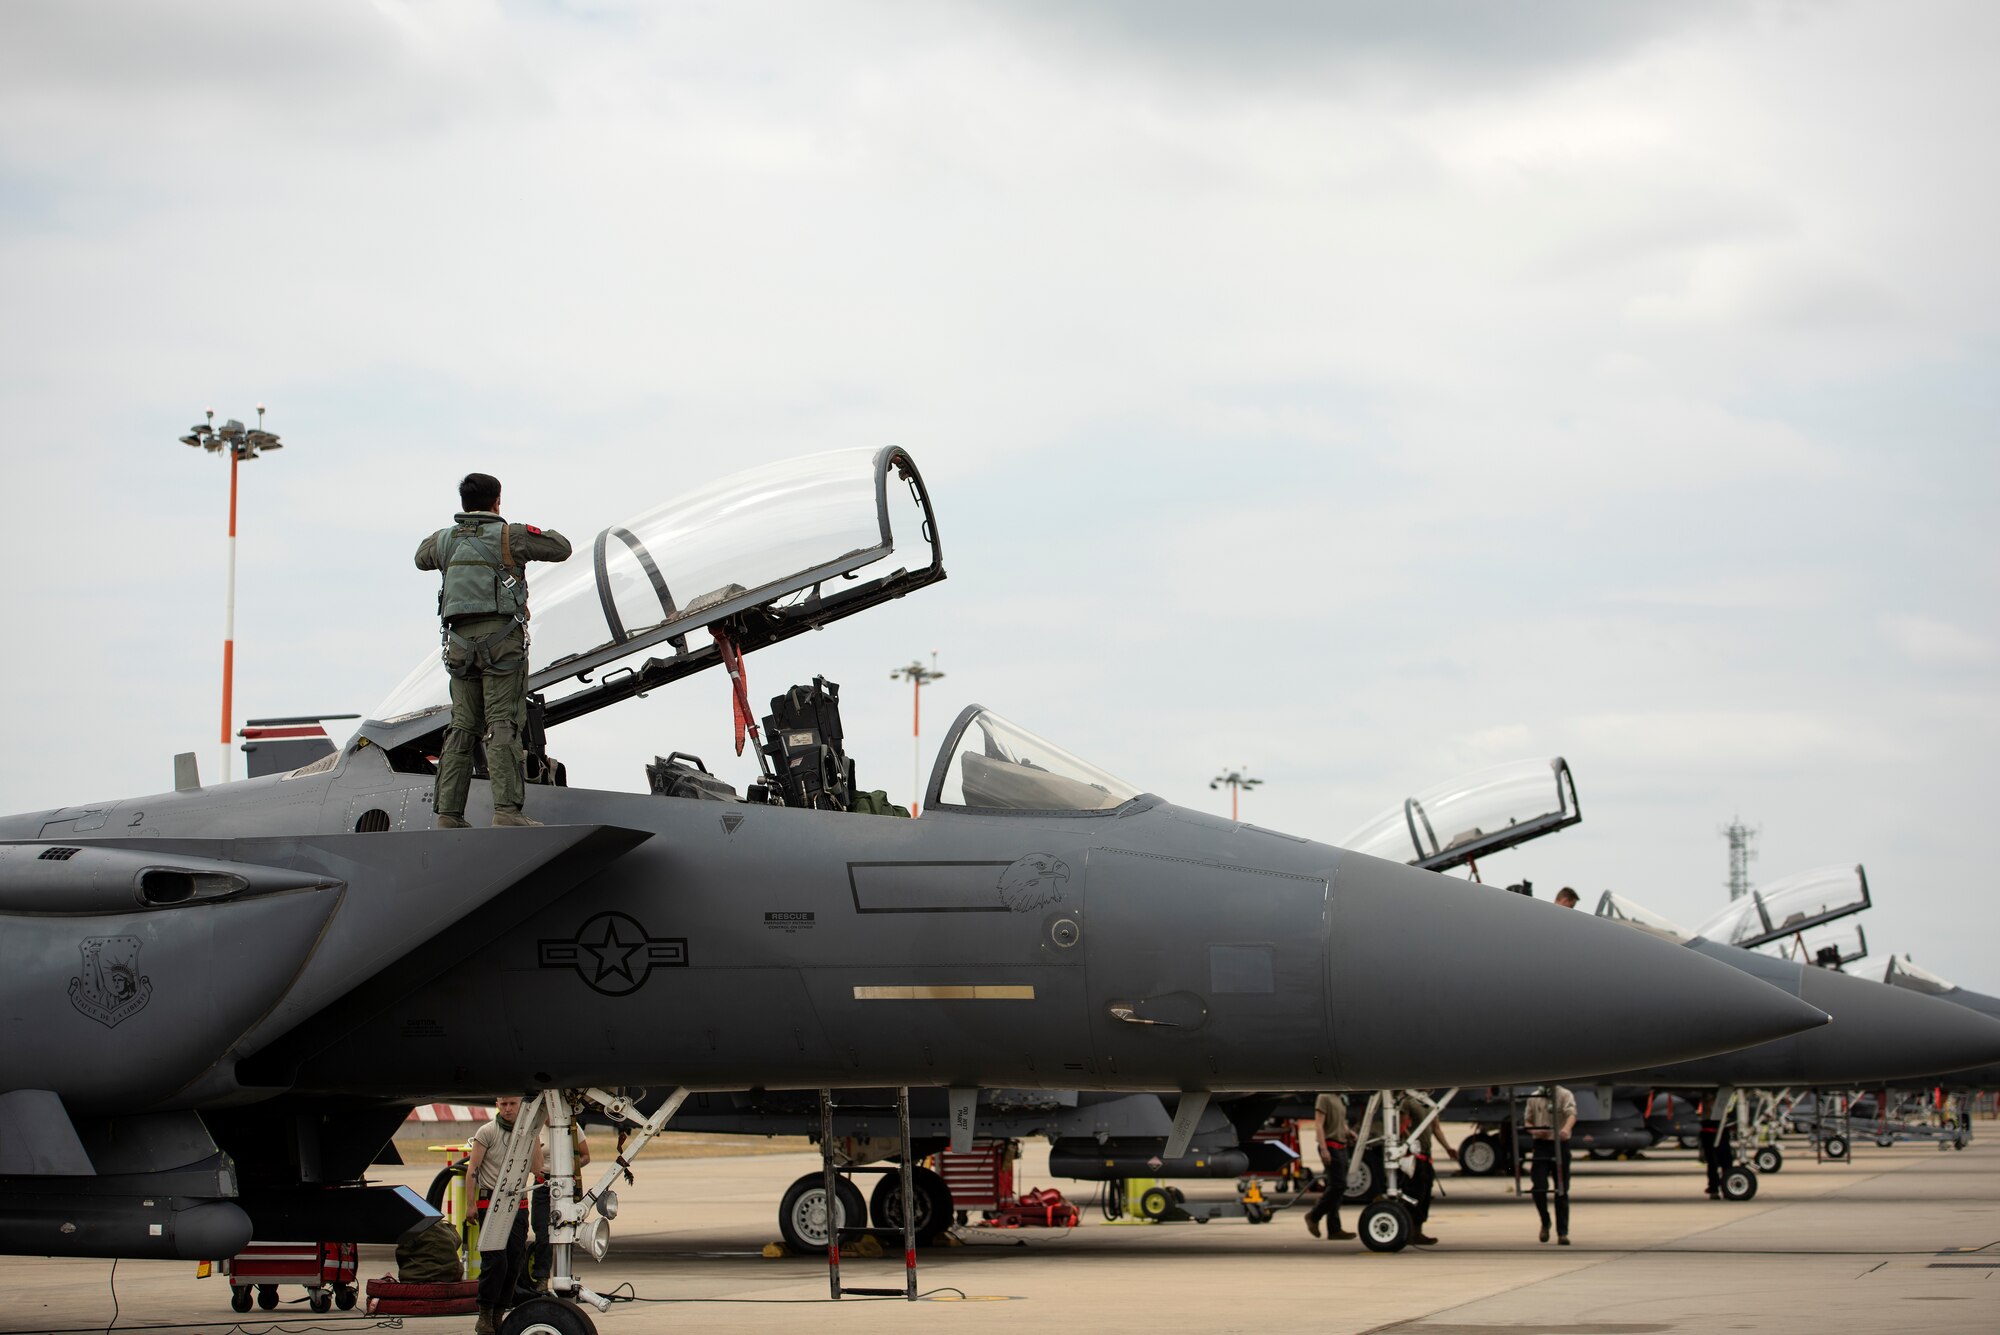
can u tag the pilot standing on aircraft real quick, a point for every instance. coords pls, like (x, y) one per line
(501, 1272)
(1548, 1120)
(1330, 1119)
(484, 608)
(1566, 898)
(1411, 1111)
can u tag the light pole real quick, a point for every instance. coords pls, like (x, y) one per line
(1236, 781)
(241, 443)
(919, 677)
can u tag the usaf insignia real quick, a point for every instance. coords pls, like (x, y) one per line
(110, 990)
(612, 953)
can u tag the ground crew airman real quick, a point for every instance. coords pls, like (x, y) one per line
(1330, 1118)
(1548, 1120)
(483, 606)
(1411, 1112)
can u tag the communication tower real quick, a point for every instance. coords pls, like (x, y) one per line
(1739, 836)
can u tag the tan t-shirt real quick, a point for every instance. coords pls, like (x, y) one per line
(1331, 1110)
(1536, 1117)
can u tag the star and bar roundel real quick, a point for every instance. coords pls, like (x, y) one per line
(612, 953)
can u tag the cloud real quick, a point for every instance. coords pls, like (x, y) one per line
(1941, 643)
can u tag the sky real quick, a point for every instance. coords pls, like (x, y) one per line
(1360, 392)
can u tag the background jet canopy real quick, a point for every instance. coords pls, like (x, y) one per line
(1789, 905)
(1902, 973)
(767, 536)
(989, 764)
(1471, 817)
(1621, 909)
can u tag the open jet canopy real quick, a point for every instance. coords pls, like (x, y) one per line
(1902, 973)
(1621, 908)
(766, 553)
(1459, 822)
(988, 764)
(1788, 906)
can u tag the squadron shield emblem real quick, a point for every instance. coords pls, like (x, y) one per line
(110, 990)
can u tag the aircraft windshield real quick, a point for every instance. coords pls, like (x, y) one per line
(1790, 905)
(1902, 973)
(989, 764)
(1482, 813)
(768, 536)
(1621, 909)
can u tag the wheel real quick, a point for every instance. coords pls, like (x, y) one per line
(1154, 1202)
(267, 1296)
(1385, 1226)
(1834, 1147)
(320, 1300)
(1479, 1155)
(802, 1214)
(930, 1195)
(344, 1297)
(1690, 1142)
(1884, 1142)
(439, 1185)
(1364, 1176)
(1597, 1152)
(1958, 1143)
(1255, 1213)
(240, 1297)
(1739, 1184)
(1768, 1159)
(553, 1316)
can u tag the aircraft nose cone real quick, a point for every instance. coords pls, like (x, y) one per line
(1435, 981)
(1887, 1033)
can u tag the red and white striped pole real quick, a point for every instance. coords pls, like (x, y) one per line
(919, 677)
(229, 623)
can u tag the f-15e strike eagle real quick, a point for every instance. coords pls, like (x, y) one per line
(220, 1001)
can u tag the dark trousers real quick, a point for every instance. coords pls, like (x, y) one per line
(1541, 1170)
(1718, 1149)
(1422, 1179)
(541, 1253)
(1328, 1204)
(500, 1272)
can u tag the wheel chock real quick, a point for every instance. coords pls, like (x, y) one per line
(775, 1250)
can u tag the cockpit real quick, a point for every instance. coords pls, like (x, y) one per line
(988, 764)
(1622, 908)
(1902, 973)
(1456, 823)
(739, 565)
(1833, 947)
(1788, 906)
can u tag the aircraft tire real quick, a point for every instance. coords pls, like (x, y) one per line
(802, 1215)
(1768, 1159)
(1884, 1142)
(1739, 1184)
(1364, 1177)
(1834, 1147)
(549, 1316)
(931, 1196)
(1480, 1155)
(1385, 1226)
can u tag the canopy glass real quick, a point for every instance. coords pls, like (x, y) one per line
(1789, 905)
(768, 537)
(989, 764)
(1622, 909)
(1902, 973)
(1453, 823)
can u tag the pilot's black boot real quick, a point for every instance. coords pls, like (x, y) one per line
(488, 1323)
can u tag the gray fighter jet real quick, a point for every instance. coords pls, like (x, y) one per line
(220, 1001)
(1902, 972)
(1879, 1035)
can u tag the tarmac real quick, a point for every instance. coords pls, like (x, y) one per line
(1906, 1237)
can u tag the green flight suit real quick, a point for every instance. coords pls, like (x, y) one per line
(489, 702)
